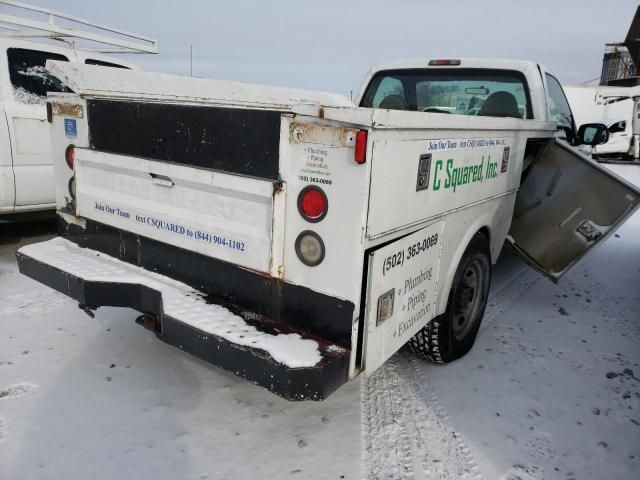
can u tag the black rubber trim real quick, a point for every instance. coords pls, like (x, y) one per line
(71, 186)
(252, 364)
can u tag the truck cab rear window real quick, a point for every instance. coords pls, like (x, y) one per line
(492, 93)
(29, 77)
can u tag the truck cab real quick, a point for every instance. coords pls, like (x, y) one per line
(26, 163)
(471, 87)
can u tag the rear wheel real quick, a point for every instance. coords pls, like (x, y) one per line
(451, 335)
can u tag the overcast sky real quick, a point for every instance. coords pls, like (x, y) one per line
(330, 44)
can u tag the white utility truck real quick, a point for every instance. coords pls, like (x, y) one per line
(27, 180)
(616, 107)
(297, 239)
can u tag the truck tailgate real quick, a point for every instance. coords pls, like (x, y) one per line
(220, 215)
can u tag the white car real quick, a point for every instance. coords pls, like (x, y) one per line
(26, 164)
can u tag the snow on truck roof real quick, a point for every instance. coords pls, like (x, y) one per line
(92, 81)
(103, 82)
(95, 81)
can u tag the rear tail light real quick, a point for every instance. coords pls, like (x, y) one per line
(310, 248)
(361, 146)
(70, 155)
(312, 204)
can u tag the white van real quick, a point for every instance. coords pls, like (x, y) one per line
(298, 240)
(26, 162)
(616, 107)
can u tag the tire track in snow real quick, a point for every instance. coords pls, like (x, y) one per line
(443, 441)
(500, 301)
(406, 432)
(387, 446)
(407, 435)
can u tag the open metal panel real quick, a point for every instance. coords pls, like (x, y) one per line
(566, 206)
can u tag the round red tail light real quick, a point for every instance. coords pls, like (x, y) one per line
(70, 155)
(312, 204)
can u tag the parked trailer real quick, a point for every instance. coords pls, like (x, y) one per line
(298, 240)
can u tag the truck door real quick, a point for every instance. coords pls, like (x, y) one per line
(618, 117)
(401, 292)
(566, 206)
(26, 116)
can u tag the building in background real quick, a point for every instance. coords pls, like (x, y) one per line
(621, 60)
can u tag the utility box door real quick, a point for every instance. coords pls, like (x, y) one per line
(566, 206)
(401, 292)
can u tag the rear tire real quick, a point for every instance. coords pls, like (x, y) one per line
(451, 335)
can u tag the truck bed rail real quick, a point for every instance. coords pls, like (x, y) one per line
(110, 39)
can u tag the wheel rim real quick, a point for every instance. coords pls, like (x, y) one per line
(469, 296)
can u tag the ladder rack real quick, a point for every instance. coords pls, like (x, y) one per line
(109, 39)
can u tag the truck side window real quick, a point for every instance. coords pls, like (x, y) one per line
(102, 63)
(390, 94)
(485, 92)
(620, 126)
(28, 75)
(558, 105)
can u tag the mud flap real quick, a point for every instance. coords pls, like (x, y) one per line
(566, 206)
(401, 292)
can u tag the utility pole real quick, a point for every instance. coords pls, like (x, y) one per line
(191, 60)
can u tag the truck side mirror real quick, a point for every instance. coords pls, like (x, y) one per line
(593, 134)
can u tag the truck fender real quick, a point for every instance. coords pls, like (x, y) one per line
(490, 225)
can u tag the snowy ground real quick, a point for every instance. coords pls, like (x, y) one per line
(551, 390)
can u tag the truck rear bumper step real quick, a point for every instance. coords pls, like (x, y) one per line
(291, 364)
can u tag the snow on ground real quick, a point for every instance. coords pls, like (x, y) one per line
(551, 390)
(104, 399)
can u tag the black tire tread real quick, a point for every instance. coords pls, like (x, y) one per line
(426, 342)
